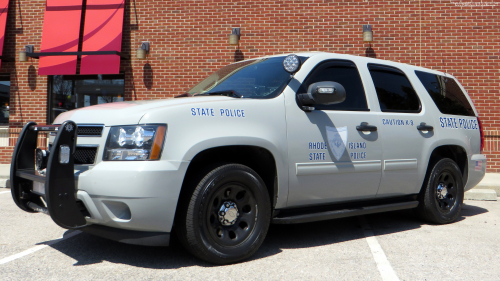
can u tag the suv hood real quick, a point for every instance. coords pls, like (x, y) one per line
(129, 112)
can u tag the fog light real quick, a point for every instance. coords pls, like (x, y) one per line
(64, 154)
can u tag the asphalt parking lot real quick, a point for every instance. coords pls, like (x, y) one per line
(388, 246)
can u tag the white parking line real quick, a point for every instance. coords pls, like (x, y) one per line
(383, 264)
(4, 192)
(37, 248)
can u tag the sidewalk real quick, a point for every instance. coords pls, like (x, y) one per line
(487, 189)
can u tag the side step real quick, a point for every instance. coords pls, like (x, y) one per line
(336, 214)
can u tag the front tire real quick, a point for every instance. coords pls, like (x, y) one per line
(227, 215)
(442, 198)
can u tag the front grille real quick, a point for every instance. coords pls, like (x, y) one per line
(90, 130)
(85, 155)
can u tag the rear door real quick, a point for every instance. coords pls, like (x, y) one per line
(405, 129)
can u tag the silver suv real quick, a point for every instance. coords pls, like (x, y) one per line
(281, 139)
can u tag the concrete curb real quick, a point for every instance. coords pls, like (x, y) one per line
(481, 194)
(495, 188)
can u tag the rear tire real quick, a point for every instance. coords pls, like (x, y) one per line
(227, 215)
(442, 198)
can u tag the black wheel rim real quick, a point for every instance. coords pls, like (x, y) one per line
(231, 235)
(446, 191)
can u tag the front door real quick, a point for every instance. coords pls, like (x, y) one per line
(334, 152)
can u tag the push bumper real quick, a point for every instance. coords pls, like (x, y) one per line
(56, 193)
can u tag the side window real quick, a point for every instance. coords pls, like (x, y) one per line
(394, 91)
(446, 94)
(345, 73)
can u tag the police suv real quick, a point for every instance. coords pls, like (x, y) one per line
(281, 139)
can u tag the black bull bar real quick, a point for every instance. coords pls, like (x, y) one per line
(56, 192)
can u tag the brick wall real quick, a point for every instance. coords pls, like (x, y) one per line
(189, 40)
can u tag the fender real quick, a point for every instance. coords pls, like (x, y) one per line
(280, 158)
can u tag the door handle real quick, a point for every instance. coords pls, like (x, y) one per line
(365, 127)
(424, 127)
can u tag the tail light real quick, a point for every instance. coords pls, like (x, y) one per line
(481, 133)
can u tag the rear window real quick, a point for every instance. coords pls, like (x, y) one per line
(394, 91)
(446, 94)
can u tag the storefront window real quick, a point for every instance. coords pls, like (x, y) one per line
(4, 99)
(76, 91)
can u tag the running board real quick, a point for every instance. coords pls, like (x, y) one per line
(320, 216)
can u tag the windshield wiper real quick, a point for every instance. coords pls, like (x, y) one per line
(229, 93)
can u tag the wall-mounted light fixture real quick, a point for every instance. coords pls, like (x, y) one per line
(22, 54)
(367, 33)
(234, 38)
(143, 51)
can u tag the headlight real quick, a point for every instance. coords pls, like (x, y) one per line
(132, 143)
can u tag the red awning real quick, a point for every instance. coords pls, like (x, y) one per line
(102, 32)
(4, 9)
(61, 32)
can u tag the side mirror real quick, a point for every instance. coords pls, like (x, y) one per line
(322, 93)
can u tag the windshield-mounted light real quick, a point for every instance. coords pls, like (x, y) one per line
(291, 63)
(134, 143)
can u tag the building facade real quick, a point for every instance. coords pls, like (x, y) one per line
(188, 40)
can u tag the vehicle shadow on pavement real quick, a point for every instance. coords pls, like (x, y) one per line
(470, 211)
(87, 249)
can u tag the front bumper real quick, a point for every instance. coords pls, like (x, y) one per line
(139, 195)
(118, 198)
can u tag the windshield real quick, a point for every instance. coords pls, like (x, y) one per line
(260, 78)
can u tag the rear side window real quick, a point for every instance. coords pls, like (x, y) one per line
(446, 94)
(394, 91)
(345, 73)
